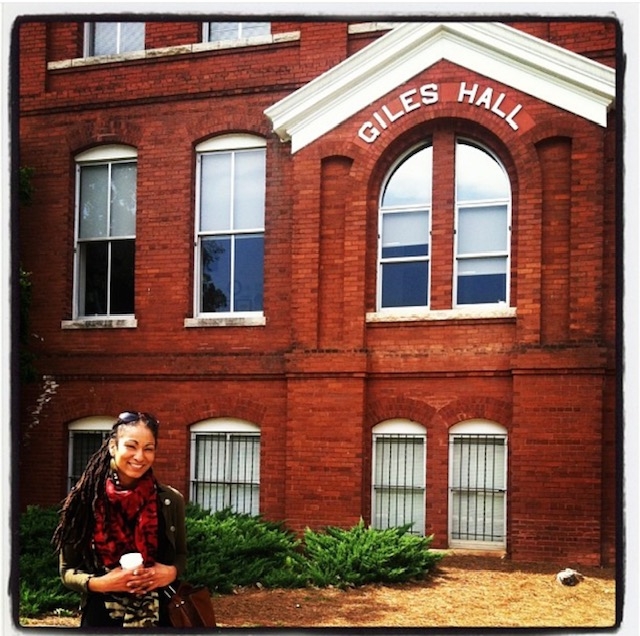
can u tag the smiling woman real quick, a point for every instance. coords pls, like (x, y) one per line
(118, 507)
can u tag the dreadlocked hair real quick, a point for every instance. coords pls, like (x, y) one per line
(77, 514)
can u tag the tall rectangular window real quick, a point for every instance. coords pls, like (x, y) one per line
(105, 238)
(110, 38)
(82, 445)
(399, 481)
(226, 471)
(230, 230)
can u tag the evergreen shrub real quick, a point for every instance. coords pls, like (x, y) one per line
(361, 555)
(228, 550)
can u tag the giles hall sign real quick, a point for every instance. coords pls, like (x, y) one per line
(428, 94)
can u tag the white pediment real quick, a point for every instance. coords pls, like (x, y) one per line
(526, 63)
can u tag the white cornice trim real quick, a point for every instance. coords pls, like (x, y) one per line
(545, 71)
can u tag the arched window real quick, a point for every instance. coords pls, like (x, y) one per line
(106, 183)
(482, 230)
(477, 485)
(399, 475)
(225, 465)
(417, 239)
(85, 438)
(230, 205)
(405, 228)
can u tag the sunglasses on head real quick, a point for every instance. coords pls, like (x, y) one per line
(127, 417)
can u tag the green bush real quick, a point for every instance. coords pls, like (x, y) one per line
(361, 555)
(228, 550)
(41, 590)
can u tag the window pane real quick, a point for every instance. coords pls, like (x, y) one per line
(123, 199)
(215, 192)
(478, 516)
(399, 481)
(249, 180)
(131, 36)
(482, 230)
(478, 175)
(405, 234)
(105, 38)
(223, 31)
(405, 284)
(399, 461)
(250, 29)
(122, 277)
(482, 280)
(410, 184)
(249, 272)
(216, 274)
(83, 445)
(219, 31)
(94, 268)
(94, 201)
(227, 472)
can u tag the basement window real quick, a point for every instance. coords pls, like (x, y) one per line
(225, 465)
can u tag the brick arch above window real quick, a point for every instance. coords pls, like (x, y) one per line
(404, 408)
(476, 408)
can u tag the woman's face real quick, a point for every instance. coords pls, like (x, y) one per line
(133, 452)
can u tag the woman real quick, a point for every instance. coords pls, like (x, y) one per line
(118, 507)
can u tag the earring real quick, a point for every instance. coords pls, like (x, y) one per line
(112, 464)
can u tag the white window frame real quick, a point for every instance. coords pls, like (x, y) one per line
(92, 424)
(391, 429)
(223, 144)
(89, 39)
(506, 254)
(101, 155)
(478, 427)
(230, 428)
(382, 212)
(239, 35)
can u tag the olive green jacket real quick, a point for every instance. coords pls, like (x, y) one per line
(172, 544)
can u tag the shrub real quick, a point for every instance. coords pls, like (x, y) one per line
(362, 555)
(227, 550)
(41, 590)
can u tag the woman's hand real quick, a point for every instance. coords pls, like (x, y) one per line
(146, 579)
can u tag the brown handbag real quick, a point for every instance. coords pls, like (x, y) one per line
(190, 606)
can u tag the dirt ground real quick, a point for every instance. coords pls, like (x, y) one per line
(463, 591)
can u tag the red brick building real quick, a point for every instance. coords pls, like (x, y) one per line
(356, 269)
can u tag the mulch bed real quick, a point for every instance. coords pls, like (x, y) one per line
(462, 591)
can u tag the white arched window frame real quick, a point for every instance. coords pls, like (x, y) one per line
(85, 436)
(478, 485)
(230, 212)
(225, 465)
(482, 235)
(404, 233)
(105, 232)
(399, 472)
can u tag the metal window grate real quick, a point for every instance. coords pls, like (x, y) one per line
(478, 488)
(399, 482)
(226, 472)
(82, 444)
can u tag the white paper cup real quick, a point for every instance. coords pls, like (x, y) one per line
(131, 560)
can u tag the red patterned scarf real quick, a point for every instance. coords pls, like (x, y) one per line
(127, 521)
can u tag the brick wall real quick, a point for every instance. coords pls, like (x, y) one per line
(317, 377)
